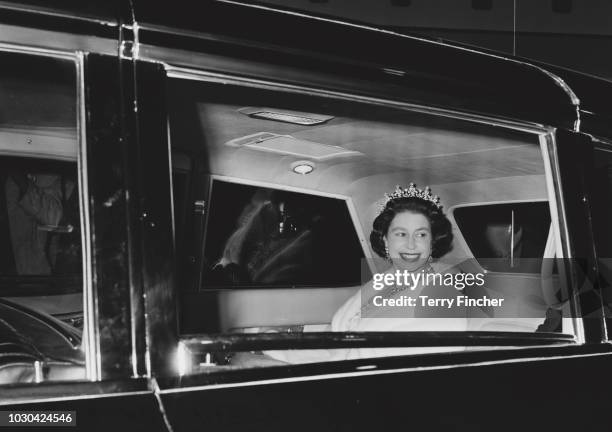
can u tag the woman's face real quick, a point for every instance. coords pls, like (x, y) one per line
(409, 240)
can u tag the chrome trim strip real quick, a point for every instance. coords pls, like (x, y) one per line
(23, 49)
(175, 31)
(213, 77)
(136, 29)
(557, 207)
(555, 194)
(360, 373)
(561, 83)
(170, 170)
(606, 142)
(44, 11)
(578, 120)
(34, 399)
(37, 39)
(38, 372)
(556, 79)
(91, 337)
(596, 139)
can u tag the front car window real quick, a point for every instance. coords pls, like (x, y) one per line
(41, 284)
(280, 198)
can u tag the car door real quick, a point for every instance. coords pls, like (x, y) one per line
(252, 106)
(64, 281)
(249, 178)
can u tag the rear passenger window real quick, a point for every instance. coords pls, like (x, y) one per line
(41, 284)
(506, 237)
(273, 237)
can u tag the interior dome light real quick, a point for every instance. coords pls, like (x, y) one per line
(302, 167)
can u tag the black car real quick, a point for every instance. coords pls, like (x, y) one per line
(187, 196)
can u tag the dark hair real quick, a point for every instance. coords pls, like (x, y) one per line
(441, 229)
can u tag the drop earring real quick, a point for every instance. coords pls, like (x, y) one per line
(387, 252)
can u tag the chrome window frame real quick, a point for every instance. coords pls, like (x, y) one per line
(90, 329)
(546, 136)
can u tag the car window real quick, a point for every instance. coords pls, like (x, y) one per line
(41, 284)
(506, 237)
(284, 232)
(266, 237)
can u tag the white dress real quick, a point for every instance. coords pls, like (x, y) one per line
(357, 316)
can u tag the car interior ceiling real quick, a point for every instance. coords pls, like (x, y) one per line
(437, 155)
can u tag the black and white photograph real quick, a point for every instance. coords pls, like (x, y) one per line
(306, 215)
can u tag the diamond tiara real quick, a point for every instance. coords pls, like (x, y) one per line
(411, 192)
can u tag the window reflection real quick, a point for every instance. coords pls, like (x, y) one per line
(41, 287)
(259, 236)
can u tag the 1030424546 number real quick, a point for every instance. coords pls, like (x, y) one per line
(38, 418)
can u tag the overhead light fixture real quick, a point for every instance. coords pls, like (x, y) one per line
(289, 146)
(285, 116)
(302, 167)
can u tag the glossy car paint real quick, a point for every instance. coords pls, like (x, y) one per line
(132, 237)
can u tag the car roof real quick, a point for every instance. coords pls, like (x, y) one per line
(452, 75)
(428, 71)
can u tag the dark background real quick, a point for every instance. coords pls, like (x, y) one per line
(576, 34)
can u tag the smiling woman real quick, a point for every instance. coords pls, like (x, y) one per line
(412, 229)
